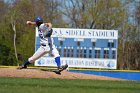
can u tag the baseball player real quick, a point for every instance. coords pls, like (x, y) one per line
(45, 31)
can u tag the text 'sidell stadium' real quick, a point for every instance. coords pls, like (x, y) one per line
(83, 48)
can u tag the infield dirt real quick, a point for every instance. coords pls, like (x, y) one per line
(37, 73)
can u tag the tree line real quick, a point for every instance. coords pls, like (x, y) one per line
(17, 39)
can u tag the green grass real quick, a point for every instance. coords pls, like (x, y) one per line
(28, 85)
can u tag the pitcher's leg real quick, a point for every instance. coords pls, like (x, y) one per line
(57, 60)
(39, 53)
(56, 56)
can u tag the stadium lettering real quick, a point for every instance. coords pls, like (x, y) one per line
(75, 32)
(103, 33)
(86, 33)
(89, 33)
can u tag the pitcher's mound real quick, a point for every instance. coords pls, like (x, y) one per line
(36, 73)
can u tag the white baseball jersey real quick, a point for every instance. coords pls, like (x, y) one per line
(46, 42)
(45, 34)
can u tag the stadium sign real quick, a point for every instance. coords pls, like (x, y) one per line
(83, 48)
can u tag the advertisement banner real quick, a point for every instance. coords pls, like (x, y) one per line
(78, 62)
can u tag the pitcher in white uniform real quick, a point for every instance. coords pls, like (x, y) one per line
(45, 31)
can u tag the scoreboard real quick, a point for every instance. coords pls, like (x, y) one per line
(82, 48)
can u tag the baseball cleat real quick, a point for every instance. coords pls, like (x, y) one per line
(63, 67)
(60, 69)
(22, 67)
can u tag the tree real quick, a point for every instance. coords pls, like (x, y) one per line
(6, 54)
(14, 29)
(74, 13)
(18, 12)
(129, 38)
